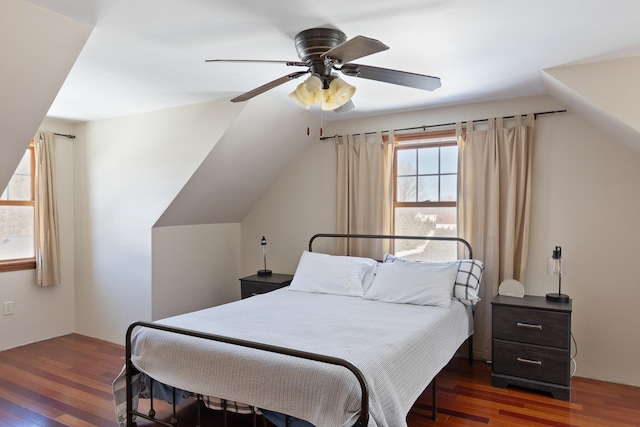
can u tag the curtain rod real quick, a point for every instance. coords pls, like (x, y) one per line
(425, 127)
(65, 135)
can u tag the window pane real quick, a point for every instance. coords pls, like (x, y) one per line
(448, 188)
(19, 187)
(406, 162)
(439, 222)
(16, 232)
(449, 159)
(428, 161)
(428, 188)
(406, 191)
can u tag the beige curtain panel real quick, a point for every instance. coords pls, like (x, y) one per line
(47, 246)
(493, 208)
(364, 192)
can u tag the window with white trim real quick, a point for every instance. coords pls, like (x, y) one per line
(425, 193)
(17, 209)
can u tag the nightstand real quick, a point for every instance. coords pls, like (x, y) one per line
(254, 285)
(531, 339)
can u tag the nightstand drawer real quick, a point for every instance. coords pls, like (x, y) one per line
(250, 289)
(531, 361)
(256, 284)
(539, 327)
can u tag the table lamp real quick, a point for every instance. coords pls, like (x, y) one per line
(554, 266)
(264, 272)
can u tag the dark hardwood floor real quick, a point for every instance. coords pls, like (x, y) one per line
(66, 381)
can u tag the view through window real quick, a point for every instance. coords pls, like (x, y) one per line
(17, 205)
(425, 195)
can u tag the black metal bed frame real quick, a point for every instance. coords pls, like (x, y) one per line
(131, 370)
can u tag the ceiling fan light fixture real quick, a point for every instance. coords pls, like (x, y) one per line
(328, 100)
(294, 96)
(313, 83)
(342, 91)
(308, 92)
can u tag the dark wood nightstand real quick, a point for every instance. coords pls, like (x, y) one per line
(532, 344)
(254, 285)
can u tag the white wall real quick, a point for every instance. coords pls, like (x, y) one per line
(591, 214)
(41, 313)
(32, 40)
(128, 170)
(585, 199)
(300, 204)
(194, 267)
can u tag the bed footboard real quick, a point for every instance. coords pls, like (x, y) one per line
(130, 370)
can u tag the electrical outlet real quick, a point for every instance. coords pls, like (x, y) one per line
(8, 308)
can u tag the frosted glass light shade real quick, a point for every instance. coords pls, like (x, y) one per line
(311, 92)
(328, 100)
(341, 90)
(294, 95)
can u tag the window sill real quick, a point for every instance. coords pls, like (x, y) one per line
(20, 264)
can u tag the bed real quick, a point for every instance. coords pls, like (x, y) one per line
(319, 350)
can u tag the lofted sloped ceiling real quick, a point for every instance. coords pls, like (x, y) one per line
(38, 48)
(606, 92)
(265, 137)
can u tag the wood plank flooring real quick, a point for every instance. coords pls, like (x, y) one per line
(66, 381)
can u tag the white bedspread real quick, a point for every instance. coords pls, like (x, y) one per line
(399, 348)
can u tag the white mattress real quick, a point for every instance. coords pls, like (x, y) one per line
(398, 347)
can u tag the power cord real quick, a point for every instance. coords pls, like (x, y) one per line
(573, 358)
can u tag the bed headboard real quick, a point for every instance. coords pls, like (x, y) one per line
(382, 236)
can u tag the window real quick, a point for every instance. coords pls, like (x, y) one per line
(425, 193)
(17, 208)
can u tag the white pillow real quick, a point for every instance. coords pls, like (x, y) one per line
(331, 274)
(414, 283)
(468, 279)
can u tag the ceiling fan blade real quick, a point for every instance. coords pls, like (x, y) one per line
(403, 78)
(275, 83)
(263, 61)
(355, 48)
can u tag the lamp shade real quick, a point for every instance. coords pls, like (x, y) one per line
(294, 95)
(341, 90)
(328, 100)
(331, 96)
(307, 92)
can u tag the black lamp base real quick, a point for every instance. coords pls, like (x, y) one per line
(557, 297)
(264, 272)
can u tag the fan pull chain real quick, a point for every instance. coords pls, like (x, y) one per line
(320, 123)
(309, 121)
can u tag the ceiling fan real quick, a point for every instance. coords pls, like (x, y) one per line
(323, 50)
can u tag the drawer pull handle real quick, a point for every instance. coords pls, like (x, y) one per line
(529, 326)
(529, 362)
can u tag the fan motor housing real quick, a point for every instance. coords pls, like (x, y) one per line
(312, 43)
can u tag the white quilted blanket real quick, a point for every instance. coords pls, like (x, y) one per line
(398, 347)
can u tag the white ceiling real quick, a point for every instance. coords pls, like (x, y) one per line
(145, 55)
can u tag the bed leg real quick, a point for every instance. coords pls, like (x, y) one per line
(435, 401)
(224, 412)
(128, 378)
(152, 412)
(174, 418)
(199, 416)
(471, 350)
(286, 420)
